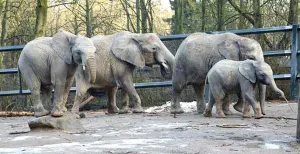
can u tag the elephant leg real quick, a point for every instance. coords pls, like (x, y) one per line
(239, 105)
(81, 92)
(34, 85)
(219, 109)
(127, 85)
(207, 112)
(111, 106)
(68, 86)
(226, 105)
(177, 87)
(256, 106)
(58, 100)
(125, 103)
(46, 95)
(262, 97)
(199, 91)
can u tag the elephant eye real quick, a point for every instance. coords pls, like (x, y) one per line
(154, 48)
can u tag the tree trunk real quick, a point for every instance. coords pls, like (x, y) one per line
(144, 16)
(138, 16)
(178, 16)
(292, 19)
(257, 19)
(150, 16)
(1, 6)
(242, 20)
(3, 23)
(221, 7)
(203, 7)
(88, 19)
(41, 18)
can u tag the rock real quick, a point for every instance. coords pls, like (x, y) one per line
(69, 123)
(19, 128)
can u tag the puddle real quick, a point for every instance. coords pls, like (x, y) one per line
(271, 146)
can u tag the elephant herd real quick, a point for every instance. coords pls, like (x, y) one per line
(231, 64)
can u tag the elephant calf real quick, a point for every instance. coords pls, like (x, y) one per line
(48, 63)
(117, 56)
(238, 77)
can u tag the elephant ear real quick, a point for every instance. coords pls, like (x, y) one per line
(127, 48)
(229, 49)
(62, 43)
(247, 69)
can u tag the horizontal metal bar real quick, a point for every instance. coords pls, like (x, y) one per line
(136, 85)
(14, 92)
(277, 53)
(238, 32)
(153, 84)
(8, 70)
(257, 30)
(11, 48)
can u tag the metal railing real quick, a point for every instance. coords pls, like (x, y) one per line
(294, 60)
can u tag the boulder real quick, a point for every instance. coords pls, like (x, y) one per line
(69, 123)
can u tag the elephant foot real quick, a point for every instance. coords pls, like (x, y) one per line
(207, 113)
(138, 109)
(75, 110)
(227, 112)
(259, 116)
(124, 110)
(56, 112)
(176, 110)
(112, 109)
(220, 115)
(201, 108)
(41, 113)
(64, 109)
(247, 115)
(237, 107)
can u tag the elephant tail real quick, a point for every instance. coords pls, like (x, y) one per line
(20, 79)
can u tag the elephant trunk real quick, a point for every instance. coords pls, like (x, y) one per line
(166, 64)
(91, 64)
(276, 89)
(88, 60)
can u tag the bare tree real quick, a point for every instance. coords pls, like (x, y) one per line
(41, 18)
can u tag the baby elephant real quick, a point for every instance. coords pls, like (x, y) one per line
(238, 77)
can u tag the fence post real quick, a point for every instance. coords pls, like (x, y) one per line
(294, 63)
(294, 72)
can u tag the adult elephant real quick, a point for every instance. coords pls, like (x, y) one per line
(117, 56)
(198, 53)
(48, 63)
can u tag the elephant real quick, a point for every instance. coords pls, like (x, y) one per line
(48, 63)
(198, 53)
(238, 77)
(117, 56)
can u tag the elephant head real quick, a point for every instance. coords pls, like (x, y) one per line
(241, 49)
(260, 72)
(76, 49)
(144, 49)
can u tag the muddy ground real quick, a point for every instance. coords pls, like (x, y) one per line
(161, 133)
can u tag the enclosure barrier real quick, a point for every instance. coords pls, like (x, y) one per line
(293, 76)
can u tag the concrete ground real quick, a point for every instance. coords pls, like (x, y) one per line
(162, 133)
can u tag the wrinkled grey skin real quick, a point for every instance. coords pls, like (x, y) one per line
(198, 53)
(117, 56)
(238, 77)
(48, 63)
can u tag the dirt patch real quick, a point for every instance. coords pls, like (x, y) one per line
(161, 133)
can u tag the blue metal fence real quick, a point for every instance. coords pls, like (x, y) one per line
(293, 53)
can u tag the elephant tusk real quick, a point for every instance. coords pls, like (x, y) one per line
(83, 67)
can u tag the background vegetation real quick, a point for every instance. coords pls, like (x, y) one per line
(24, 20)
